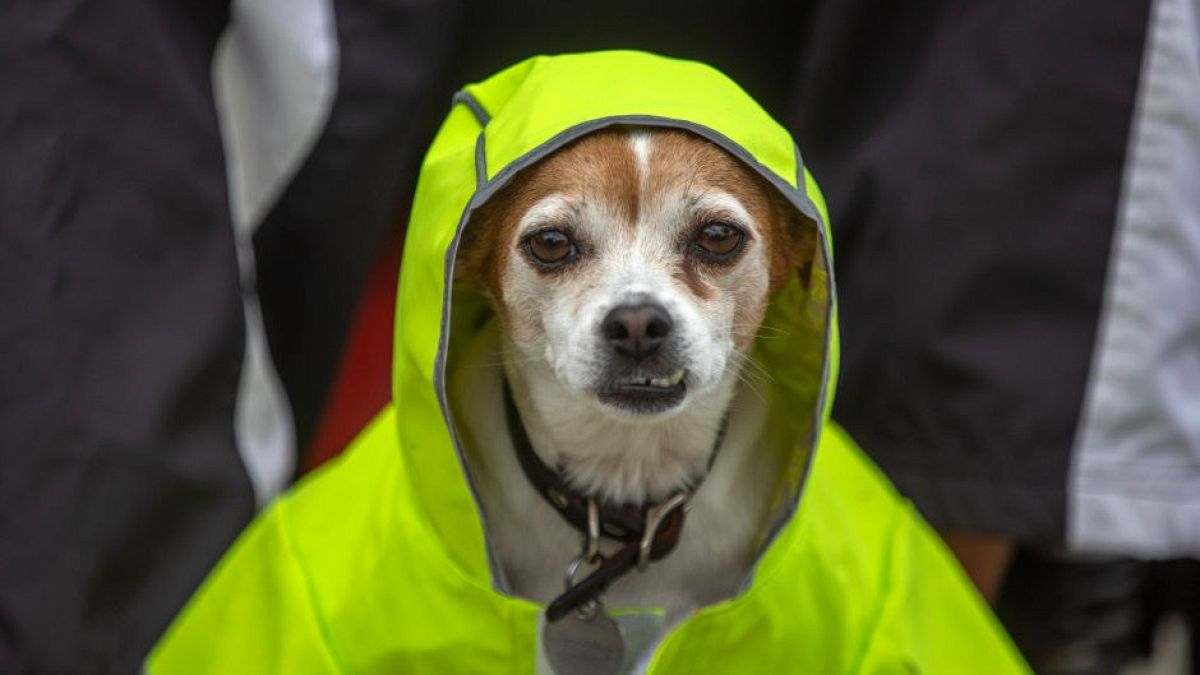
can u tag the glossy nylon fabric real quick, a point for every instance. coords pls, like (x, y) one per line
(378, 562)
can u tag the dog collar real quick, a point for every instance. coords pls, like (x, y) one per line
(649, 531)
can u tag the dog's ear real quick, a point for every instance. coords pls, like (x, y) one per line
(483, 247)
(477, 246)
(469, 261)
(795, 243)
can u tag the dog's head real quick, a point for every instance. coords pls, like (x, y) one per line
(635, 265)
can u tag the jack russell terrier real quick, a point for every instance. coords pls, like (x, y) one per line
(631, 271)
(608, 448)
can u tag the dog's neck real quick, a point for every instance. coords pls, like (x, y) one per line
(623, 461)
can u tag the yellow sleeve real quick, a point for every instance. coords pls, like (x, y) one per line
(932, 621)
(254, 613)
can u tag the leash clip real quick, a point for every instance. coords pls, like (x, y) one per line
(590, 554)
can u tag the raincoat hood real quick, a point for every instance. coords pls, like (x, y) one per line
(378, 562)
(516, 118)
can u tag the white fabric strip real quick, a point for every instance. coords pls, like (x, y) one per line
(274, 81)
(1135, 481)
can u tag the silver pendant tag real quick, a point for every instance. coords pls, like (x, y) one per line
(575, 645)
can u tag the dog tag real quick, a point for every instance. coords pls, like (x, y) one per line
(578, 646)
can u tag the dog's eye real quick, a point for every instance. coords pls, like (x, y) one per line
(551, 247)
(719, 240)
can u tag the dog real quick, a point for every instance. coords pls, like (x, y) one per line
(608, 448)
(630, 271)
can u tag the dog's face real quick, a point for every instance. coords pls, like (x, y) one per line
(635, 265)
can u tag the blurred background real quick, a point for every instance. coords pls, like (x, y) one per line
(202, 210)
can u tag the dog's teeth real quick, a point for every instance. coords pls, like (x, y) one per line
(660, 382)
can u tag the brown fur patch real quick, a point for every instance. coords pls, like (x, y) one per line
(689, 276)
(598, 166)
(680, 158)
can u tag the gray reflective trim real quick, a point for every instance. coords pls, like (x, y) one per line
(1135, 474)
(274, 80)
(827, 362)
(464, 97)
(480, 161)
(482, 117)
(799, 167)
(795, 196)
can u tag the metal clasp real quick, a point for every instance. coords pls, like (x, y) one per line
(588, 610)
(654, 518)
(590, 554)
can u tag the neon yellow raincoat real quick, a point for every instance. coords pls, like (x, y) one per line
(378, 562)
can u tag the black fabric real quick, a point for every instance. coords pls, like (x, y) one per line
(971, 154)
(753, 41)
(121, 332)
(315, 246)
(1071, 616)
(1171, 591)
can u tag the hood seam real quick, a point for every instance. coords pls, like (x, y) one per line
(464, 97)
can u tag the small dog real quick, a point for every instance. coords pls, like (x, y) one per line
(587, 467)
(630, 270)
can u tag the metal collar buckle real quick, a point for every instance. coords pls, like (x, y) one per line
(654, 518)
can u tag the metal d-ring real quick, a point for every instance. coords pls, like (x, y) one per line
(591, 545)
(589, 554)
(654, 518)
(572, 568)
(588, 610)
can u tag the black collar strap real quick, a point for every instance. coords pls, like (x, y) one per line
(623, 522)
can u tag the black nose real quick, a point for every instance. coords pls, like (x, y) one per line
(637, 330)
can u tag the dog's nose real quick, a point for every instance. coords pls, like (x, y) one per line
(637, 330)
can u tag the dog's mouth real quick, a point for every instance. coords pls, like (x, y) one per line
(646, 395)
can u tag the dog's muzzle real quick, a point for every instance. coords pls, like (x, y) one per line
(644, 375)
